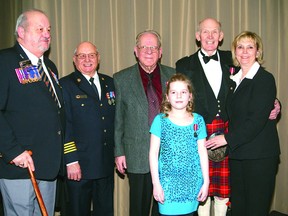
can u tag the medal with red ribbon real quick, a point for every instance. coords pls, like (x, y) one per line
(232, 71)
(195, 127)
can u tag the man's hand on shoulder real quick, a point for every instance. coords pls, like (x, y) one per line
(277, 108)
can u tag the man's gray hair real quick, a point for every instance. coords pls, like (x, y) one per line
(22, 20)
(149, 31)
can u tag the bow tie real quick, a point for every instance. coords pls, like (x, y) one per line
(206, 59)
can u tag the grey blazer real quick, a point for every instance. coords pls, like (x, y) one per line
(132, 137)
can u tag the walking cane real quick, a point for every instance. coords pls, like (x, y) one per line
(36, 189)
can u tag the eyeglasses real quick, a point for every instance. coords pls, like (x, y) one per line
(89, 55)
(153, 49)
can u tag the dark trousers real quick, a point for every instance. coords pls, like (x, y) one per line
(141, 195)
(252, 186)
(1, 205)
(99, 191)
(61, 196)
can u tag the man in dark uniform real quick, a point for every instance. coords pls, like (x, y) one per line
(31, 117)
(89, 140)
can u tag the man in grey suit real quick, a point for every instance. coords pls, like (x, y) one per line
(133, 117)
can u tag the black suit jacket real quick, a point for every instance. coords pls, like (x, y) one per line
(204, 99)
(251, 134)
(29, 120)
(90, 125)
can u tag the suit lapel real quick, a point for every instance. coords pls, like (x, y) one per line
(21, 52)
(199, 71)
(104, 87)
(225, 74)
(243, 84)
(55, 81)
(164, 79)
(202, 81)
(137, 89)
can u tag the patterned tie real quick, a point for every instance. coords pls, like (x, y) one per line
(94, 86)
(46, 80)
(153, 102)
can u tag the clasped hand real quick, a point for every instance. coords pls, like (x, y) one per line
(216, 142)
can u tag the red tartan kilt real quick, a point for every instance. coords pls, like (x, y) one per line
(219, 172)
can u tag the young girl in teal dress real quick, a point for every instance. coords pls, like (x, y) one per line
(178, 157)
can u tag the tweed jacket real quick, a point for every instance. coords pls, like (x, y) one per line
(132, 137)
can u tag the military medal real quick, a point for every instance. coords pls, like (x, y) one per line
(195, 127)
(27, 73)
(54, 76)
(232, 71)
(25, 63)
(108, 98)
(112, 96)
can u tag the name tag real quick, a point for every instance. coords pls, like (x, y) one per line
(80, 96)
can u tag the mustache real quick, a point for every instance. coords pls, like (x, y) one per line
(45, 39)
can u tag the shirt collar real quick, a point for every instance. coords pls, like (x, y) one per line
(253, 70)
(250, 75)
(206, 52)
(34, 59)
(96, 76)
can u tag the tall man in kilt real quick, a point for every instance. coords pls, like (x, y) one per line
(208, 70)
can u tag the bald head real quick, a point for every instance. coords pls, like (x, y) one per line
(86, 58)
(209, 21)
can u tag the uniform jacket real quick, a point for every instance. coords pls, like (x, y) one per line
(251, 134)
(132, 137)
(90, 125)
(29, 119)
(205, 102)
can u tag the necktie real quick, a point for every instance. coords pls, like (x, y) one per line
(94, 86)
(206, 59)
(153, 102)
(46, 80)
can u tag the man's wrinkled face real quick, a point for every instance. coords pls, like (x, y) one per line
(35, 34)
(209, 35)
(86, 58)
(147, 51)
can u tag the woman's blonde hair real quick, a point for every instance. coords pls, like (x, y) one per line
(166, 106)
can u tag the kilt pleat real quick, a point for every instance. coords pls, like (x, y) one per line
(219, 172)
